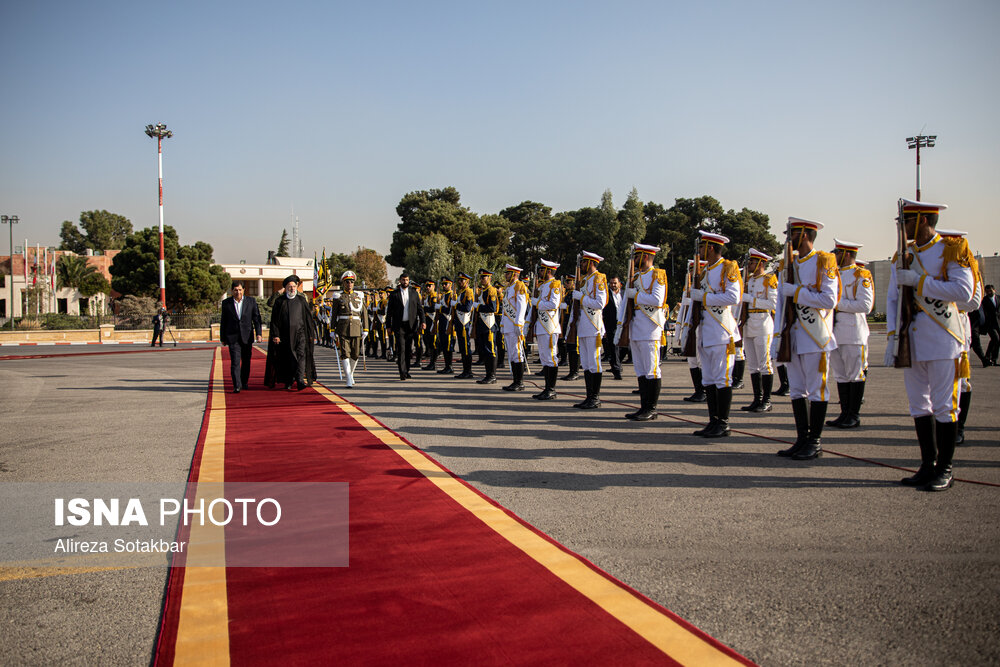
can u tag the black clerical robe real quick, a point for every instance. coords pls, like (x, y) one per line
(292, 359)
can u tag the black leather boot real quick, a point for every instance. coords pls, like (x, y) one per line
(945, 435)
(800, 410)
(642, 398)
(739, 367)
(724, 399)
(765, 391)
(711, 398)
(651, 394)
(855, 391)
(574, 366)
(928, 452)
(813, 447)
(466, 369)
(755, 383)
(447, 364)
(964, 401)
(587, 382)
(491, 372)
(699, 395)
(547, 394)
(594, 398)
(844, 394)
(783, 378)
(432, 364)
(517, 370)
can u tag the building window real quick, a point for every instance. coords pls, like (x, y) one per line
(84, 306)
(3, 307)
(62, 306)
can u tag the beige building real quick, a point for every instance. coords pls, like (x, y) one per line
(59, 300)
(263, 280)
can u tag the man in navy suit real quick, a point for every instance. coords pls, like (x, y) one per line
(240, 327)
(610, 316)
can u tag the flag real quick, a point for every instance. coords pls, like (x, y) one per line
(324, 273)
(52, 271)
(315, 275)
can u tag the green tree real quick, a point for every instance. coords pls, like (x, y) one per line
(426, 212)
(371, 268)
(530, 227)
(337, 263)
(747, 229)
(283, 244)
(631, 229)
(431, 259)
(193, 280)
(101, 230)
(75, 272)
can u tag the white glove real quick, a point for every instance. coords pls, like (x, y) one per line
(788, 289)
(685, 301)
(630, 293)
(889, 360)
(697, 294)
(364, 334)
(747, 299)
(577, 295)
(775, 344)
(534, 301)
(618, 333)
(907, 277)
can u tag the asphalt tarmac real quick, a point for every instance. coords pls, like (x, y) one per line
(822, 562)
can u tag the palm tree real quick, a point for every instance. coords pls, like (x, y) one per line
(75, 272)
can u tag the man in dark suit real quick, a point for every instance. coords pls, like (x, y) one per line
(990, 326)
(610, 315)
(405, 318)
(240, 326)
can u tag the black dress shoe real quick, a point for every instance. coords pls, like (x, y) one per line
(409, 377)
(236, 391)
(697, 397)
(464, 376)
(809, 451)
(489, 379)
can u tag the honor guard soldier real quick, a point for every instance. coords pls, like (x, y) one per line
(761, 297)
(444, 334)
(592, 295)
(487, 327)
(547, 326)
(718, 332)
(429, 300)
(694, 367)
(940, 276)
(850, 328)
(350, 321)
(569, 348)
(965, 400)
(645, 309)
(512, 321)
(811, 297)
(464, 304)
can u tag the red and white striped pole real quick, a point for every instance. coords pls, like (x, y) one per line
(160, 131)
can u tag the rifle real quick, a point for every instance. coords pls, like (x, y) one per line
(904, 302)
(623, 340)
(744, 307)
(575, 313)
(529, 335)
(694, 317)
(788, 310)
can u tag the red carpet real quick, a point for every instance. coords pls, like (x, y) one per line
(429, 581)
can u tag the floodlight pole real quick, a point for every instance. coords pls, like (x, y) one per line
(161, 132)
(11, 220)
(918, 142)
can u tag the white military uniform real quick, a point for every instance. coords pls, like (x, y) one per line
(816, 296)
(718, 330)
(937, 337)
(850, 324)
(514, 308)
(648, 319)
(547, 328)
(762, 298)
(590, 327)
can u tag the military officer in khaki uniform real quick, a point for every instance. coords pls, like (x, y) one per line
(850, 328)
(349, 319)
(941, 276)
(718, 331)
(813, 295)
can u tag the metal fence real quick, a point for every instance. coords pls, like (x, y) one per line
(174, 320)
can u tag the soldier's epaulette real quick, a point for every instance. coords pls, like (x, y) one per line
(731, 270)
(957, 250)
(521, 288)
(861, 273)
(771, 280)
(556, 286)
(601, 282)
(825, 260)
(660, 275)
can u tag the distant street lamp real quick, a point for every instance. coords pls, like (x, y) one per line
(918, 142)
(161, 132)
(11, 220)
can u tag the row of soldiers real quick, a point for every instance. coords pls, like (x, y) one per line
(806, 318)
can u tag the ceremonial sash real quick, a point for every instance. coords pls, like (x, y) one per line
(548, 319)
(944, 313)
(814, 321)
(489, 319)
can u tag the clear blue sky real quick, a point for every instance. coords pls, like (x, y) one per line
(338, 109)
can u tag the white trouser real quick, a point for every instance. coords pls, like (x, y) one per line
(515, 348)
(716, 365)
(847, 363)
(590, 354)
(547, 348)
(758, 349)
(807, 376)
(932, 387)
(645, 358)
(693, 362)
(349, 366)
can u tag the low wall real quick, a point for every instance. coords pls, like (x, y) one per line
(105, 335)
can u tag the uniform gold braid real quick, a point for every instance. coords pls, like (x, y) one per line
(863, 276)
(825, 261)
(956, 250)
(771, 280)
(660, 275)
